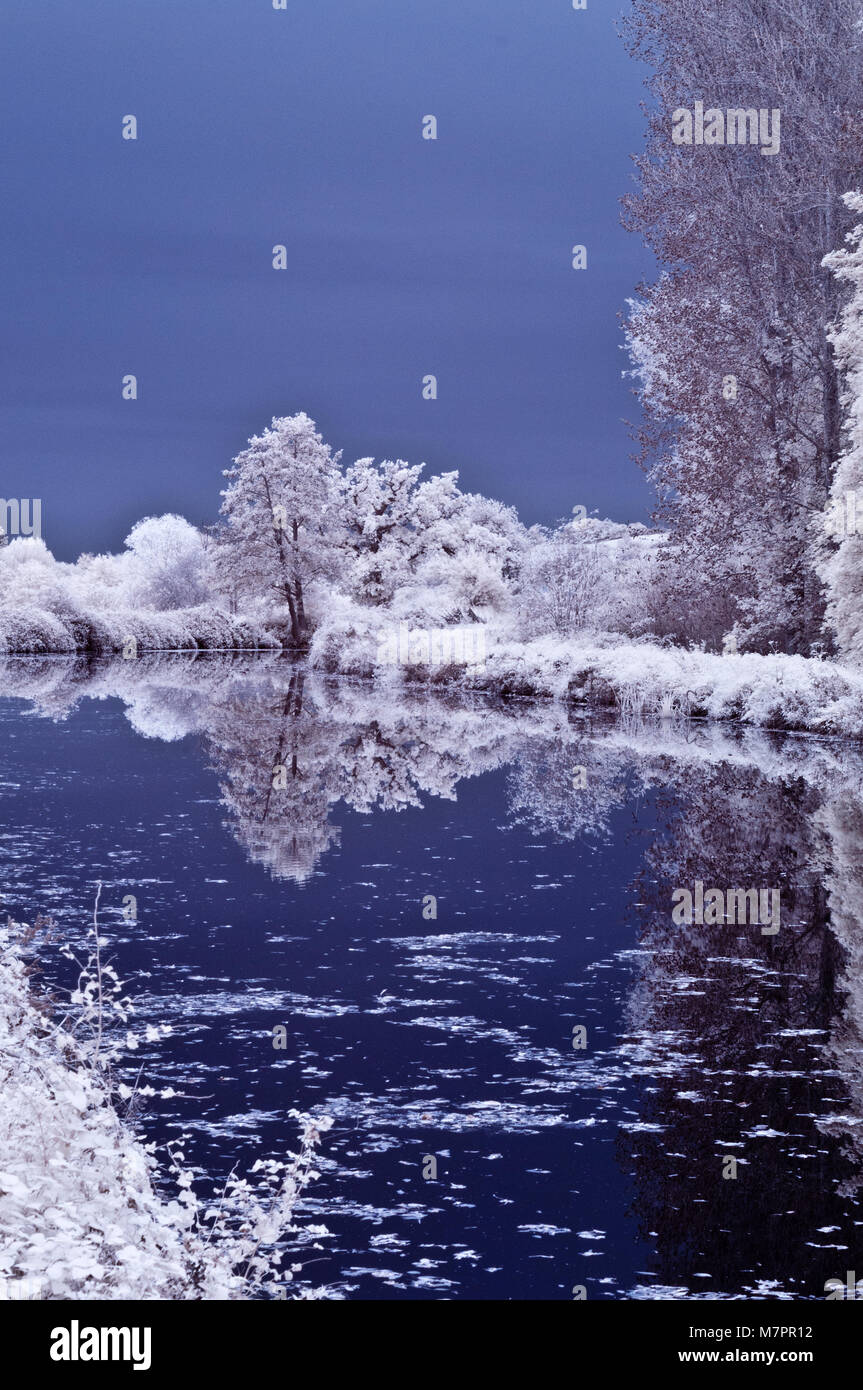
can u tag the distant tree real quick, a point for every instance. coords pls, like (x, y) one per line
(589, 574)
(30, 577)
(426, 541)
(283, 527)
(379, 508)
(167, 564)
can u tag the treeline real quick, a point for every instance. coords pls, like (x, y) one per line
(741, 391)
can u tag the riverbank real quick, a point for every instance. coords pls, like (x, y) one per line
(777, 691)
(37, 632)
(602, 672)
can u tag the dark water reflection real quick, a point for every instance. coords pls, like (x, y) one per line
(301, 904)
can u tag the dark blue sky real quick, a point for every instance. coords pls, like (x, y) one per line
(405, 256)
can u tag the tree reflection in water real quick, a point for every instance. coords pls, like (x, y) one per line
(740, 1045)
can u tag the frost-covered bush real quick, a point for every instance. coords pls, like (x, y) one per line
(636, 677)
(347, 638)
(81, 1211)
(99, 582)
(34, 631)
(167, 565)
(465, 587)
(155, 593)
(790, 692)
(587, 576)
(183, 629)
(30, 578)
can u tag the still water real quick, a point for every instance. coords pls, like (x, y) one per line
(432, 898)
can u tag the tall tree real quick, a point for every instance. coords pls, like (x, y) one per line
(738, 385)
(282, 517)
(842, 541)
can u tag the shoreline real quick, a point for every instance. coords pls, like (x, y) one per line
(777, 693)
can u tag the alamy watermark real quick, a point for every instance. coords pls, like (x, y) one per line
(442, 646)
(733, 127)
(77, 1343)
(755, 907)
(20, 516)
(849, 1292)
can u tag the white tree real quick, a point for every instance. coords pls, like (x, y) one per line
(167, 565)
(425, 547)
(467, 552)
(30, 577)
(740, 393)
(283, 529)
(842, 546)
(379, 508)
(588, 575)
(100, 582)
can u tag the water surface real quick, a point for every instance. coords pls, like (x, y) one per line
(307, 905)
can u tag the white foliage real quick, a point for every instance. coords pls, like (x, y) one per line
(80, 1217)
(30, 577)
(587, 576)
(167, 565)
(842, 558)
(283, 525)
